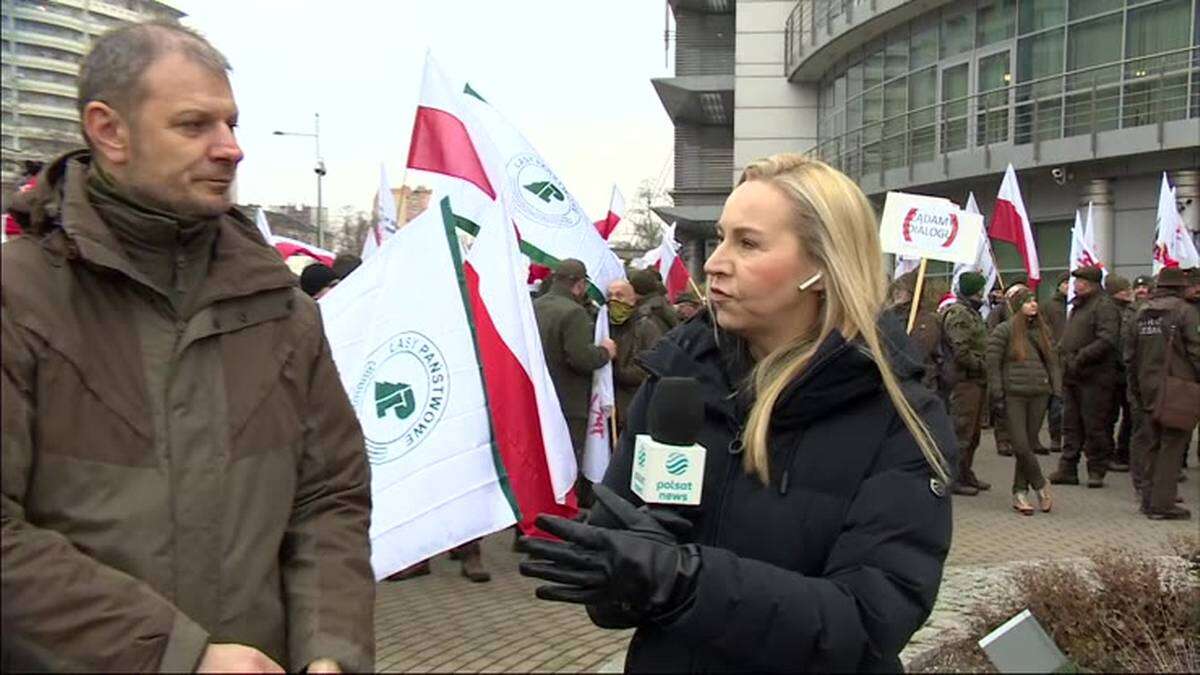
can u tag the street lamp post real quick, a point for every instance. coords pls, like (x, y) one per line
(319, 169)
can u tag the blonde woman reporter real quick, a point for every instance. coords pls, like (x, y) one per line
(824, 519)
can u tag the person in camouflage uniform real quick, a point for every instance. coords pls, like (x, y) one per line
(1121, 292)
(964, 334)
(1088, 355)
(1166, 318)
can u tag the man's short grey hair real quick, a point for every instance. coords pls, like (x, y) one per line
(112, 71)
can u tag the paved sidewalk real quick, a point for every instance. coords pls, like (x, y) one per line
(445, 623)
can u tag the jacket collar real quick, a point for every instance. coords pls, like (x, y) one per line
(841, 371)
(58, 212)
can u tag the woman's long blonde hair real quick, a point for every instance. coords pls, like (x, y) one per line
(837, 228)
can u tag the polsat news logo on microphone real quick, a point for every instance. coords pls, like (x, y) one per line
(667, 474)
(677, 463)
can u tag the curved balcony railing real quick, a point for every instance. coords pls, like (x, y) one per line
(1137, 92)
(812, 21)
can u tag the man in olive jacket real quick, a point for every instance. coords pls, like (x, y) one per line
(184, 481)
(1166, 318)
(568, 340)
(1088, 353)
(965, 333)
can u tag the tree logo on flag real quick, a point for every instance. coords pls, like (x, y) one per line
(542, 196)
(401, 395)
(545, 191)
(396, 398)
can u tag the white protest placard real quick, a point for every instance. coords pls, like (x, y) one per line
(919, 226)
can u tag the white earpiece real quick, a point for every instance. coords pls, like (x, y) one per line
(811, 280)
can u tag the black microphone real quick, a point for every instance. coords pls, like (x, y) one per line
(668, 463)
(676, 411)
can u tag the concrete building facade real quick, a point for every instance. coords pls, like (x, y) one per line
(1090, 100)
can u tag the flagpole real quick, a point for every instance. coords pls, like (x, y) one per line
(695, 288)
(912, 314)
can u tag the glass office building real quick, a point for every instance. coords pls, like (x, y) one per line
(1090, 100)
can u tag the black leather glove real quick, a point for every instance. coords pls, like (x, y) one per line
(637, 565)
(617, 615)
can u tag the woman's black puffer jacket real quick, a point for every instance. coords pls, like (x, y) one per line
(837, 562)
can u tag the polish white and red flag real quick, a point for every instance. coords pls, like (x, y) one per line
(1173, 244)
(386, 220)
(496, 189)
(1083, 250)
(1010, 222)
(287, 246)
(616, 211)
(983, 261)
(674, 273)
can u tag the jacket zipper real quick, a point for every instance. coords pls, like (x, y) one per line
(735, 452)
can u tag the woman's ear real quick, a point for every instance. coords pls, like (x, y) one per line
(106, 132)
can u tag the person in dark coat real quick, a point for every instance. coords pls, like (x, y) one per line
(1055, 314)
(1166, 320)
(654, 301)
(635, 332)
(1121, 292)
(568, 341)
(1022, 369)
(1088, 352)
(825, 517)
(997, 413)
(926, 334)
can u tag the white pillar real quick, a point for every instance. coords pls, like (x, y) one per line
(1099, 193)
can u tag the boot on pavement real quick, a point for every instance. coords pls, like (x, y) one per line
(1095, 480)
(963, 490)
(1175, 513)
(472, 565)
(1065, 476)
(1021, 504)
(1045, 501)
(975, 482)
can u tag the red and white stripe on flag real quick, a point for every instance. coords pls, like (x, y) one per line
(616, 211)
(1010, 222)
(674, 273)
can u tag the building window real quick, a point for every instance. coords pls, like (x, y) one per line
(993, 75)
(1156, 86)
(923, 49)
(955, 80)
(958, 33)
(873, 69)
(1040, 14)
(896, 59)
(1039, 113)
(1095, 93)
(922, 100)
(994, 21)
(1081, 9)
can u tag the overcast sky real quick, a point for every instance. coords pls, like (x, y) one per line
(573, 75)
